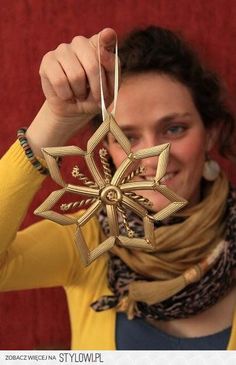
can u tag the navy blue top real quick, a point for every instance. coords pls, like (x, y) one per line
(138, 334)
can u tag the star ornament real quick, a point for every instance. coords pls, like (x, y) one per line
(116, 193)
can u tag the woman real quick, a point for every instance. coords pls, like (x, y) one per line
(183, 295)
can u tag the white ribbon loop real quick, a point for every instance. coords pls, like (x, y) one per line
(116, 81)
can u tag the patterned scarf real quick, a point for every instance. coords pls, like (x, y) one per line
(214, 280)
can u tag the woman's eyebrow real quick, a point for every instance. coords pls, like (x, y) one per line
(128, 127)
(173, 116)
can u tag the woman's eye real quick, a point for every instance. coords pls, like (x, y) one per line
(132, 139)
(176, 130)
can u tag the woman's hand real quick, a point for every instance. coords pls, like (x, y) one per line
(70, 75)
(71, 85)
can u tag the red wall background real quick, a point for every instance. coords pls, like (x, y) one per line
(38, 319)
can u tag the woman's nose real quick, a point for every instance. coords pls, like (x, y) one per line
(149, 139)
(150, 163)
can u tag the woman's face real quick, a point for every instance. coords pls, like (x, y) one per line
(153, 109)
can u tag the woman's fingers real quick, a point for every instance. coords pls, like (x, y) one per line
(87, 57)
(54, 79)
(73, 70)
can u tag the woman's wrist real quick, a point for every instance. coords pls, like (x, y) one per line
(49, 130)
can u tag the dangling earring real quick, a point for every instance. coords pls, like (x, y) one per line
(211, 170)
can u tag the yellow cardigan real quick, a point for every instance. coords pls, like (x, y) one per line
(44, 255)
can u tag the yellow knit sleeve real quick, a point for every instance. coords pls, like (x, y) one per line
(43, 254)
(19, 181)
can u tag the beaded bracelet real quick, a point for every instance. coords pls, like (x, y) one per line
(29, 153)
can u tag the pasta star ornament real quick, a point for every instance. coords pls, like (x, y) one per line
(116, 193)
